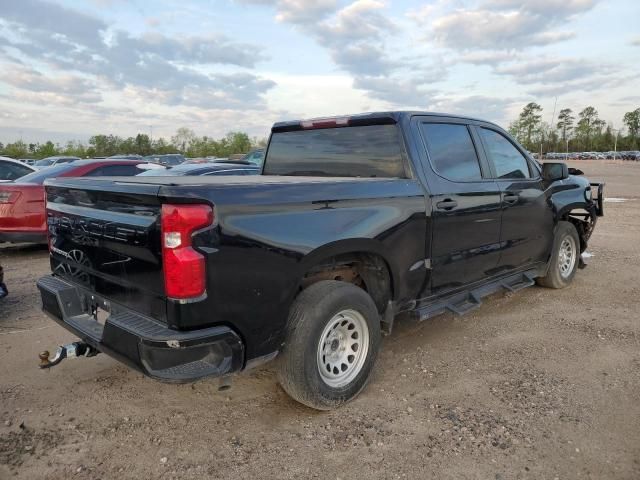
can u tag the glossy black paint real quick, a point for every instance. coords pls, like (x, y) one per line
(139, 342)
(109, 242)
(434, 235)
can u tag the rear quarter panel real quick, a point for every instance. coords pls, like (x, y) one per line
(268, 236)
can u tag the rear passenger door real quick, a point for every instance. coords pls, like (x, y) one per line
(465, 204)
(526, 236)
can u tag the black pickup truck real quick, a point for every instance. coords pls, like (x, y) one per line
(354, 221)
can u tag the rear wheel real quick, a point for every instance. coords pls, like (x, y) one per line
(564, 257)
(332, 342)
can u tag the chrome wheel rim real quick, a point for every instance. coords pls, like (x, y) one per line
(567, 257)
(343, 348)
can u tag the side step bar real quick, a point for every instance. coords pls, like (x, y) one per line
(465, 302)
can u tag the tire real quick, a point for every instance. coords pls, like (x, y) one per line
(561, 268)
(336, 312)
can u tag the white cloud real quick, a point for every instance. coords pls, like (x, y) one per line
(298, 11)
(73, 42)
(477, 106)
(506, 24)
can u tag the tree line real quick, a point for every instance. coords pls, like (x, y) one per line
(184, 141)
(583, 132)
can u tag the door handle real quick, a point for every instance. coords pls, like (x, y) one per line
(447, 204)
(511, 198)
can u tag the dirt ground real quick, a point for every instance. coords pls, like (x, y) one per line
(541, 384)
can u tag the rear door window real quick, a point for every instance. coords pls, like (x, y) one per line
(506, 158)
(451, 151)
(362, 151)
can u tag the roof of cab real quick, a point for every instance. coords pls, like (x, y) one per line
(371, 118)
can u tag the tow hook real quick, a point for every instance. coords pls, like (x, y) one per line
(72, 350)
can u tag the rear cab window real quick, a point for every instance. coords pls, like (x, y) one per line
(354, 151)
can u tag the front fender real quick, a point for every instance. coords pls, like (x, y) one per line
(569, 194)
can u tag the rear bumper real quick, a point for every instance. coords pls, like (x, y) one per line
(23, 237)
(142, 343)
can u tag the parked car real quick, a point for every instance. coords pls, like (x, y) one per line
(22, 207)
(255, 157)
(27, 161)
(50, 161)
(353, 221)
(198, 169)
(11, 169)
(168, 160)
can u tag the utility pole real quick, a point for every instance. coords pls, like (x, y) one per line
(553, 119)
(615, 142)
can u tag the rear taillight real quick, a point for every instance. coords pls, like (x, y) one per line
(9, 197)
(184, 267)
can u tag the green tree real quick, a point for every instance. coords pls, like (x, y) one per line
(529, 121)
(237, 142)
(105, 145)
(632, 122)
(47, 149)
(515, 129)
(16, 150)
(75, 149)
(588, 124)
(161, 146)
(183, 138)
(565, 124)
(143, 144)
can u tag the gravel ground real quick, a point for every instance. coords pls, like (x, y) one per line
(541, 384)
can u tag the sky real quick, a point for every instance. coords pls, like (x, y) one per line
(70, 69)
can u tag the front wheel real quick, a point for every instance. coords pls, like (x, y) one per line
(332, 341)
(564, 257)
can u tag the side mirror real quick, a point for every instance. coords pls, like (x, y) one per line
(553, 171)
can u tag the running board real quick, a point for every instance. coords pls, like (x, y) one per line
(465, 302)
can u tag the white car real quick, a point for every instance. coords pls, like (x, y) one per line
(55, 160)
(11, 169)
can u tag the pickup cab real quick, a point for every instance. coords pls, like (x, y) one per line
(354, 221)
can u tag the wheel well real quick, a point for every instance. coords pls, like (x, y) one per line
(365, 270)
(583, 221)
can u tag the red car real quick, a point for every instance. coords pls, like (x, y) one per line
(22, 207)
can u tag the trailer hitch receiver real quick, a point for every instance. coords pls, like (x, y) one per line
(71, 350)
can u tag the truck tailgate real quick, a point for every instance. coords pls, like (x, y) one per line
(105, 236)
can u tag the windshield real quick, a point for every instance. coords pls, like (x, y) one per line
(41, 175)
(43, 163)
(363, 151)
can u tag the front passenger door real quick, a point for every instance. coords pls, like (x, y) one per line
(526, 236)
